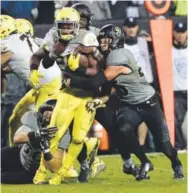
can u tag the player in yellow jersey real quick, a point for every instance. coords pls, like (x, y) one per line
(71, 102)
(49, 85)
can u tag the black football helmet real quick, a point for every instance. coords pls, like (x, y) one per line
(84, 11)
(113, 32)
(47, 106)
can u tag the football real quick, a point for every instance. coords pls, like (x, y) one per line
(87, 61)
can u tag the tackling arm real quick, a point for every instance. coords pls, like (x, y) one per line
(101, 78)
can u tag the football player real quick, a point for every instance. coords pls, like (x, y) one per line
(59, 48)
(47, 88)
(86, 24)
(138, 101)
(85, 18)
(20, 163)
(16, 49)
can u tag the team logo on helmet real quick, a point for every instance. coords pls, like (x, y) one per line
(117, 30)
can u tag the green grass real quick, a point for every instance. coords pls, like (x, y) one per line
(112, 180)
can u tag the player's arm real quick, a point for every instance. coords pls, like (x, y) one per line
(5, 58)
(41, 56)
(101, 78)
(37, 57)
(55, 163)
(21, 135)
(83, 64)
(6, 55)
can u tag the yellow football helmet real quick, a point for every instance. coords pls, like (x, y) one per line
(24, 26)
(7, 26)
(67, 23)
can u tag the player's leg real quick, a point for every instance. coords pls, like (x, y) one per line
(48, 91)
(61, 118)
(19, 110)
(88, 159)
(155, 121)
(96, 164)
(82, 123)
(128, 121)
(107, 117)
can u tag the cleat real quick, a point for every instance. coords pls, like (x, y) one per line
(97, 167)
(71, 173)
(58, 177)
(143, 172)
(40, 177)
(133, 170)
(84, 174)
(55, 180)
(178, 172)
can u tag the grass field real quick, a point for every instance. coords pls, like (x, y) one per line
(112, 180)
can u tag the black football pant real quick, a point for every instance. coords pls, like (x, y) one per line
(180, 111)
(12, 171)
(107, 118)
(129, 118)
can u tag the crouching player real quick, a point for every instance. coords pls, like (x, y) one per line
(20, 163)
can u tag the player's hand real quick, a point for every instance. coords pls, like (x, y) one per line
(73, 61)
(34, 78)
(45, 145)
(47, 133)
(91, 106)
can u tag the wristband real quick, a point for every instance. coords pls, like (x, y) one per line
(33, 66)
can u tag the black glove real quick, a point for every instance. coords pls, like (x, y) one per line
(45, 147)
(46, 133)
(43, 133)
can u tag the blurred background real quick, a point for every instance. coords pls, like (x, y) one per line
(133, 18)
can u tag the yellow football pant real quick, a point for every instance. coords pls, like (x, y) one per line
(69, 107)
(37, 97)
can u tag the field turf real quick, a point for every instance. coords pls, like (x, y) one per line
(112, 180)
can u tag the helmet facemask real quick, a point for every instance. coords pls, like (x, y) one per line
(41, 118)
(67, 29)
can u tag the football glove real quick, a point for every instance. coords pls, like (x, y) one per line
(35, 77)
(73, 61)
(93, 105)
(45, 147)
(46, 133)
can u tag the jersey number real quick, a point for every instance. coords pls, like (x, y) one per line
(27, 39)
(140, 72)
